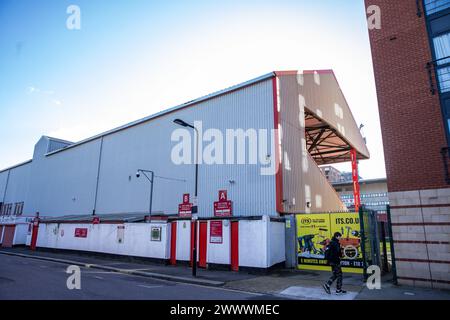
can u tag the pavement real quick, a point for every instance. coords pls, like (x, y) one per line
(277, 284)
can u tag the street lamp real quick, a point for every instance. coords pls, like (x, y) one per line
(152, 175)
(194, 207)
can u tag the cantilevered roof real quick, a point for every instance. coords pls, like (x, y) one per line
(330, 128)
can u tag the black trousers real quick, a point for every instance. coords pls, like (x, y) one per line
(337, 275)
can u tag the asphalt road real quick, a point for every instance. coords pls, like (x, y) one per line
(23, 278)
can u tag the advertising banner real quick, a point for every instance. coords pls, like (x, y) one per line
(314, 232)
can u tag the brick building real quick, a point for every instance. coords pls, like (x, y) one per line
(411, 59)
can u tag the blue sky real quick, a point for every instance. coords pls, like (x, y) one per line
(134, 58)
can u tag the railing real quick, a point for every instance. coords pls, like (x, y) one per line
(442, 69)
(433, 6)
(445, 152)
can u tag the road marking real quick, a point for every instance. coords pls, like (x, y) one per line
(149, 287)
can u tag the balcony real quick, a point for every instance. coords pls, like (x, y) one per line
(442, 69)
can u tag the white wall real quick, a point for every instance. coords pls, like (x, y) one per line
(219, 253)
(277, 248)
(253, 243)
(20, 235)
(183, 240)
(261, 242)
(103, 238)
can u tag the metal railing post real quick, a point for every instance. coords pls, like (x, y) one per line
(363, 242)
(391, 242)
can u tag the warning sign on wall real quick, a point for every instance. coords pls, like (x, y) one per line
(215, 232)
(81, 232)
(185, 208)
(223, 207)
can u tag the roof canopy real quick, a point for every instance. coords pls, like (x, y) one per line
(331, 131)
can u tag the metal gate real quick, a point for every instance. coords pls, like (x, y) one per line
(377, 241)
(365, 240)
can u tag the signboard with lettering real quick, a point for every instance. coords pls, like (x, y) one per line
(185, 208)
(81, 232)
(95, 220)
(215, 232)
(314, 232)
(223, 207)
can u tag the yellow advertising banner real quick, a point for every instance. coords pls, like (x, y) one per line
(314, 232)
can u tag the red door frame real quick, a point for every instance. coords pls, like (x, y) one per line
(202, 244)
(34, 235)
(173, 243)
(234, 245)
(8, 236)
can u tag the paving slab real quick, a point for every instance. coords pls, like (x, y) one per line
(315, 293)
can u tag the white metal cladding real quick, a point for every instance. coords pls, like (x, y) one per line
(303, 181)
(148, 146)
(65, 182)
(15, 187)
(3, 181)
(56, 144)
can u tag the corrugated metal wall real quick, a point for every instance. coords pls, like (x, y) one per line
(18, 185)
(302, 179)
(65, 182)
(148, 146)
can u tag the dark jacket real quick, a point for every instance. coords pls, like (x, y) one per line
(334, 256)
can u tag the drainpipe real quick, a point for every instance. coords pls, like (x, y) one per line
(98, 176)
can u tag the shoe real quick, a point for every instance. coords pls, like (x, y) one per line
(326, 287)
(339, 292)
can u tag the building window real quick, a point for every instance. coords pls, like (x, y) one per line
(442, 49)
(433, 6)
(18, 208)
(7, 209)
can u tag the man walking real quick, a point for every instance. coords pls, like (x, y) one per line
(333, 255)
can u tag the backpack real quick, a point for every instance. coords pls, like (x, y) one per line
(329, 254)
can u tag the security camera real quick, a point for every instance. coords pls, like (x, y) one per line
(138, 174)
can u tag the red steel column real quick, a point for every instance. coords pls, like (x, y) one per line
(202, 244)
(355, 177)
(235, 245)
(34, 233)
(173, 243)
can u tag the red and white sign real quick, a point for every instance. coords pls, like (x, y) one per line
(355, 178)
(185, 208)
(81, 232)
(223, 207)
(95, 220)
(215, 232)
